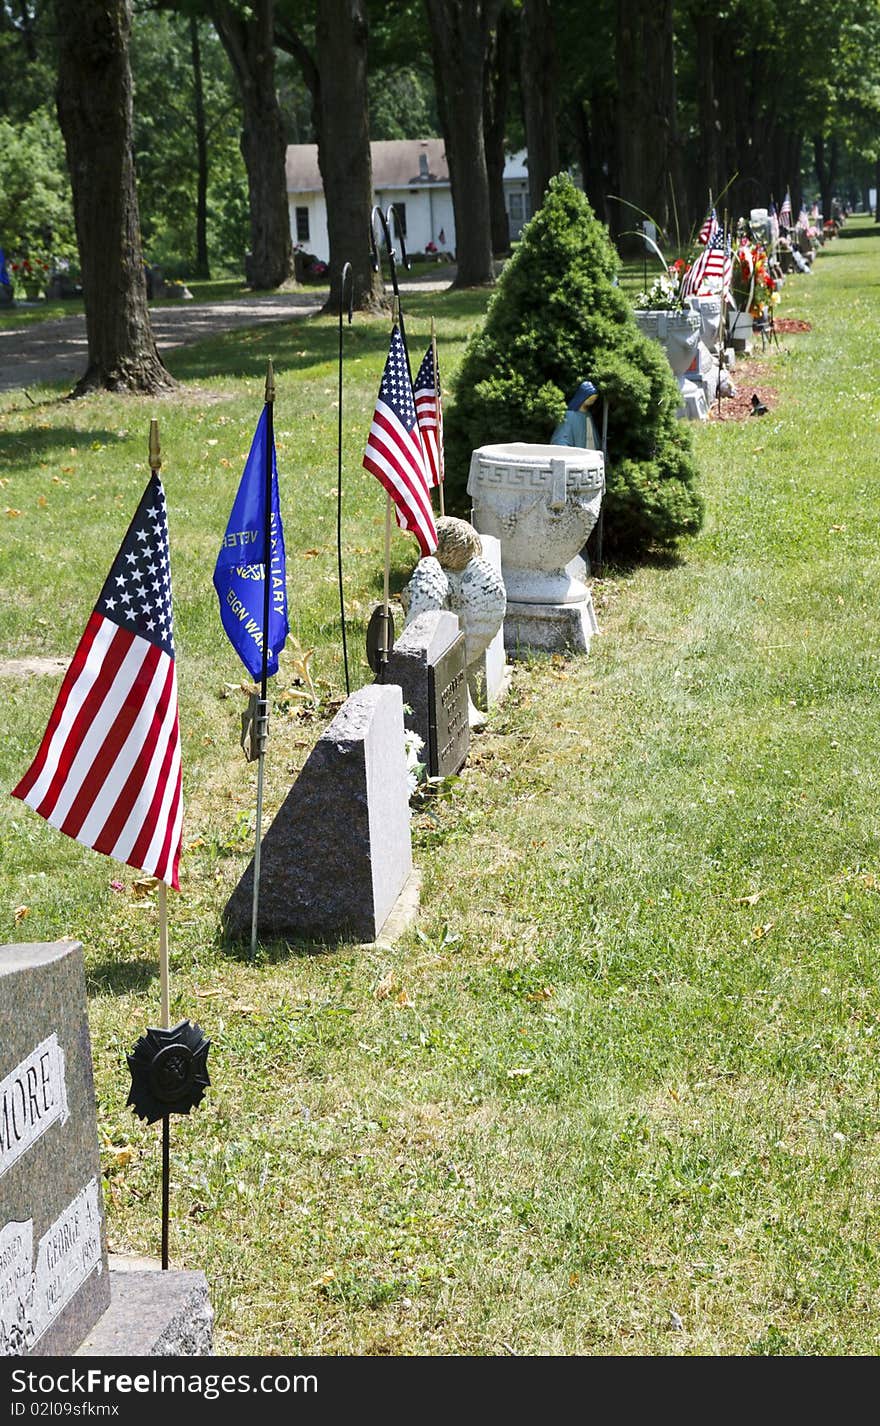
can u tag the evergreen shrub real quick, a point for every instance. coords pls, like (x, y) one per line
(555, 319)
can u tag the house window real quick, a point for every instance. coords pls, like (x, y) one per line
(302, 225)
(400, 217)
(516, 207)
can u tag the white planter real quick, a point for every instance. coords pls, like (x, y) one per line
(541, 502)
(709, 310)
(677, 333)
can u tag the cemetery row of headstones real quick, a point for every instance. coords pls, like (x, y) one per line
(337, 858)
(336, 862)
(706, 311)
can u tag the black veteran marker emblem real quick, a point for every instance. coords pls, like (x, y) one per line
(169, 1071)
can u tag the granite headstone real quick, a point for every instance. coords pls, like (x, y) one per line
(54, 1282)
(338, 854)
(428, 662)
(57, 1296)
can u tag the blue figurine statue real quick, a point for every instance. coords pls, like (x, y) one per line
(577, 427)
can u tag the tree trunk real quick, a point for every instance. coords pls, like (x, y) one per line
(538, 78)
(202, 266)
(496, 96)
(335, 76)
(595, 132)
(344, 149)
(708, 120)
(95, 113)
(248, 38)
(459, 41)
(825, 172)
(649, 160)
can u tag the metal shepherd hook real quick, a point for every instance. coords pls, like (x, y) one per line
(261, 723)
(386, 219)
(347, 274)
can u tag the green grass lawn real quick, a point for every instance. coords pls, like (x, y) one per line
(617, 1094)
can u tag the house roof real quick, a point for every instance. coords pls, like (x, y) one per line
(397, 163)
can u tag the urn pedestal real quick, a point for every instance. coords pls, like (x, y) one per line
(679, 335)
(541, 503)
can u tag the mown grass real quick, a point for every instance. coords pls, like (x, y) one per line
(617, 1092)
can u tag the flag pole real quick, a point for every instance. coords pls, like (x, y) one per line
(386, 616)
(346, 273)
(723, 327)
(164, 978)
(441, 473)
(262, 719)
(155, 467)
(600, 563)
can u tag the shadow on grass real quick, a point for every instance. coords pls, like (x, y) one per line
(111, 977)
(872, 232)
(276, 952)
(312, 340)
(24, 447)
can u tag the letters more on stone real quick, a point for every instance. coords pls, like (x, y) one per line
(54, 1283)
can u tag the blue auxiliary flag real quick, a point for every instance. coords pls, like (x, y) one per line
(239, 574)
(4, 275)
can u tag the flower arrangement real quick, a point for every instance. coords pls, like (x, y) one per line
(753, 286)
(665, 292)
(31, 272)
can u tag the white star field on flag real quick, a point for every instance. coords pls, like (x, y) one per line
(137, 593)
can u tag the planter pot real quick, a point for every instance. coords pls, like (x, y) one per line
(541, 503)
(677, 333)
(709, 310)
(32, 291)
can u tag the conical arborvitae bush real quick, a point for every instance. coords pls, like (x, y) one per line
(555, 319)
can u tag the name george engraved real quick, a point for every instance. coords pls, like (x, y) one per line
(68, 1252)
(32, 1097)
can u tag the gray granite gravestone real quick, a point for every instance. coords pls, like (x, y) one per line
(428, 662)
(339, 853)
(56, 1292)
(54, 1282)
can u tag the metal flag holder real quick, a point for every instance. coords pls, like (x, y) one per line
(260, 735)
(348, 275)
(600, 526)
(169, 1072)
(441, 462)
(722, 330)
(381, 640)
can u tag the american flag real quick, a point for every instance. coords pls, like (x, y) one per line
(108, 769)
(395, 454)
(708, 228)
(429, 412)
(694, 279)
(785, 210)
(719, 263)
(714, 261)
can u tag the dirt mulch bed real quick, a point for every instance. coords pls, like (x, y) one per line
(739, 407)
(785, 326)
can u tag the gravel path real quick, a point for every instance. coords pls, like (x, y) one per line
(57, 351)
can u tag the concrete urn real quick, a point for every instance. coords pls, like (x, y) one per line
(709, 310)
(677, 332)
(541, 502)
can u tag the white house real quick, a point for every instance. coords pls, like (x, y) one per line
(410, 173)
